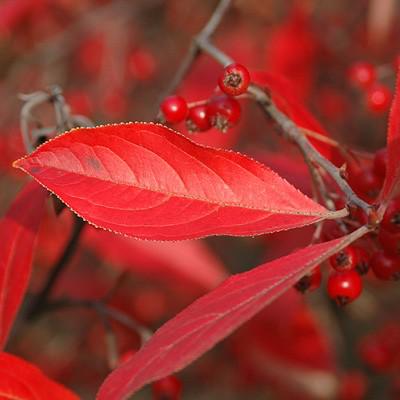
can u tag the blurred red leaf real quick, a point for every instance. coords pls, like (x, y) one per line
(392, 179)
(188, 261)
(20, 380)
(147, 181)
(211, 318)
(18, 231)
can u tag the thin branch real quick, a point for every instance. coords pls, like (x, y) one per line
(194, 48)
(40, 301)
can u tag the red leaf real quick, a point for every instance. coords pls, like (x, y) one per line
(18, 231)
(190, 261)
(147, 181)
(211, 318)
(20, 380)
(392, 179)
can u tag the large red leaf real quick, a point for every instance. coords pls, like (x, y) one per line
(211, 318)
(20, 380)
(18, 231)
(392, 179)
(147, 181)
(190, 262)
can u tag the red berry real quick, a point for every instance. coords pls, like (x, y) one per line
(352, 386)
(391, 219)
(235, 79)
(362, 264)
(374, 354)
(168, 388)
(390, 242)
(224, 112)
(198, 119)
(344, 260)
(366, 183)
(174, 109)
(344, 287)
(385, 266)
(378, 98)
(380, 161)
(362, 74)
(310, 282)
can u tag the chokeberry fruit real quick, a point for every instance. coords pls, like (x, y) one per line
(174, 109)
(344, 287)
(198, 119)
(362, 74)
(168, 388)
(345, 259)
(234, 80)
(385, 266)
(391, 219)
(224, 112)
(309, 282)
(378, 98)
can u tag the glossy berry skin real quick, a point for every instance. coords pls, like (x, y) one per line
(198, 119)
(224, 112)
(310, 282)
(362, 74)
(385, 266)
(391, 219)
(234, 80)
(380, 161)
(344, 260)
(174, 109)
(366, 183)
(344, 287)
(168, 388)
(378, 98)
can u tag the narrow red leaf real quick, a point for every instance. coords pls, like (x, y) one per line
(147, 181)
(18, 231)
(392, 179)
(190, 262)
(20, 380)
(211, 318)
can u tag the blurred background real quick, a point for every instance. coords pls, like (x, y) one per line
(114, 60)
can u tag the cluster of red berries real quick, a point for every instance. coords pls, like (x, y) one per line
(168, 388)
(221, 111)
(378, 96)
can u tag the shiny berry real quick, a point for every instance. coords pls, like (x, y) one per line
(234, 80)
(385, 266)
(168, 388)
(310, 282)
(380, 161)
(344, 260)
(224, 112)
(174, 109)
(362, 74)
(363, 263)
(366, 183)
(198, 119)
(344, 287)
(391, 219)
(378, 98)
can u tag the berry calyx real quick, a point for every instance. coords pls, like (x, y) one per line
(198, 119)
(224, 112)
(168, 388)
(378, 98)
(174, 109)
(344, 260)
(344, 287)
(310, 282)
(391, 219)
(234, 80)
(362, 74)
(385, 266)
